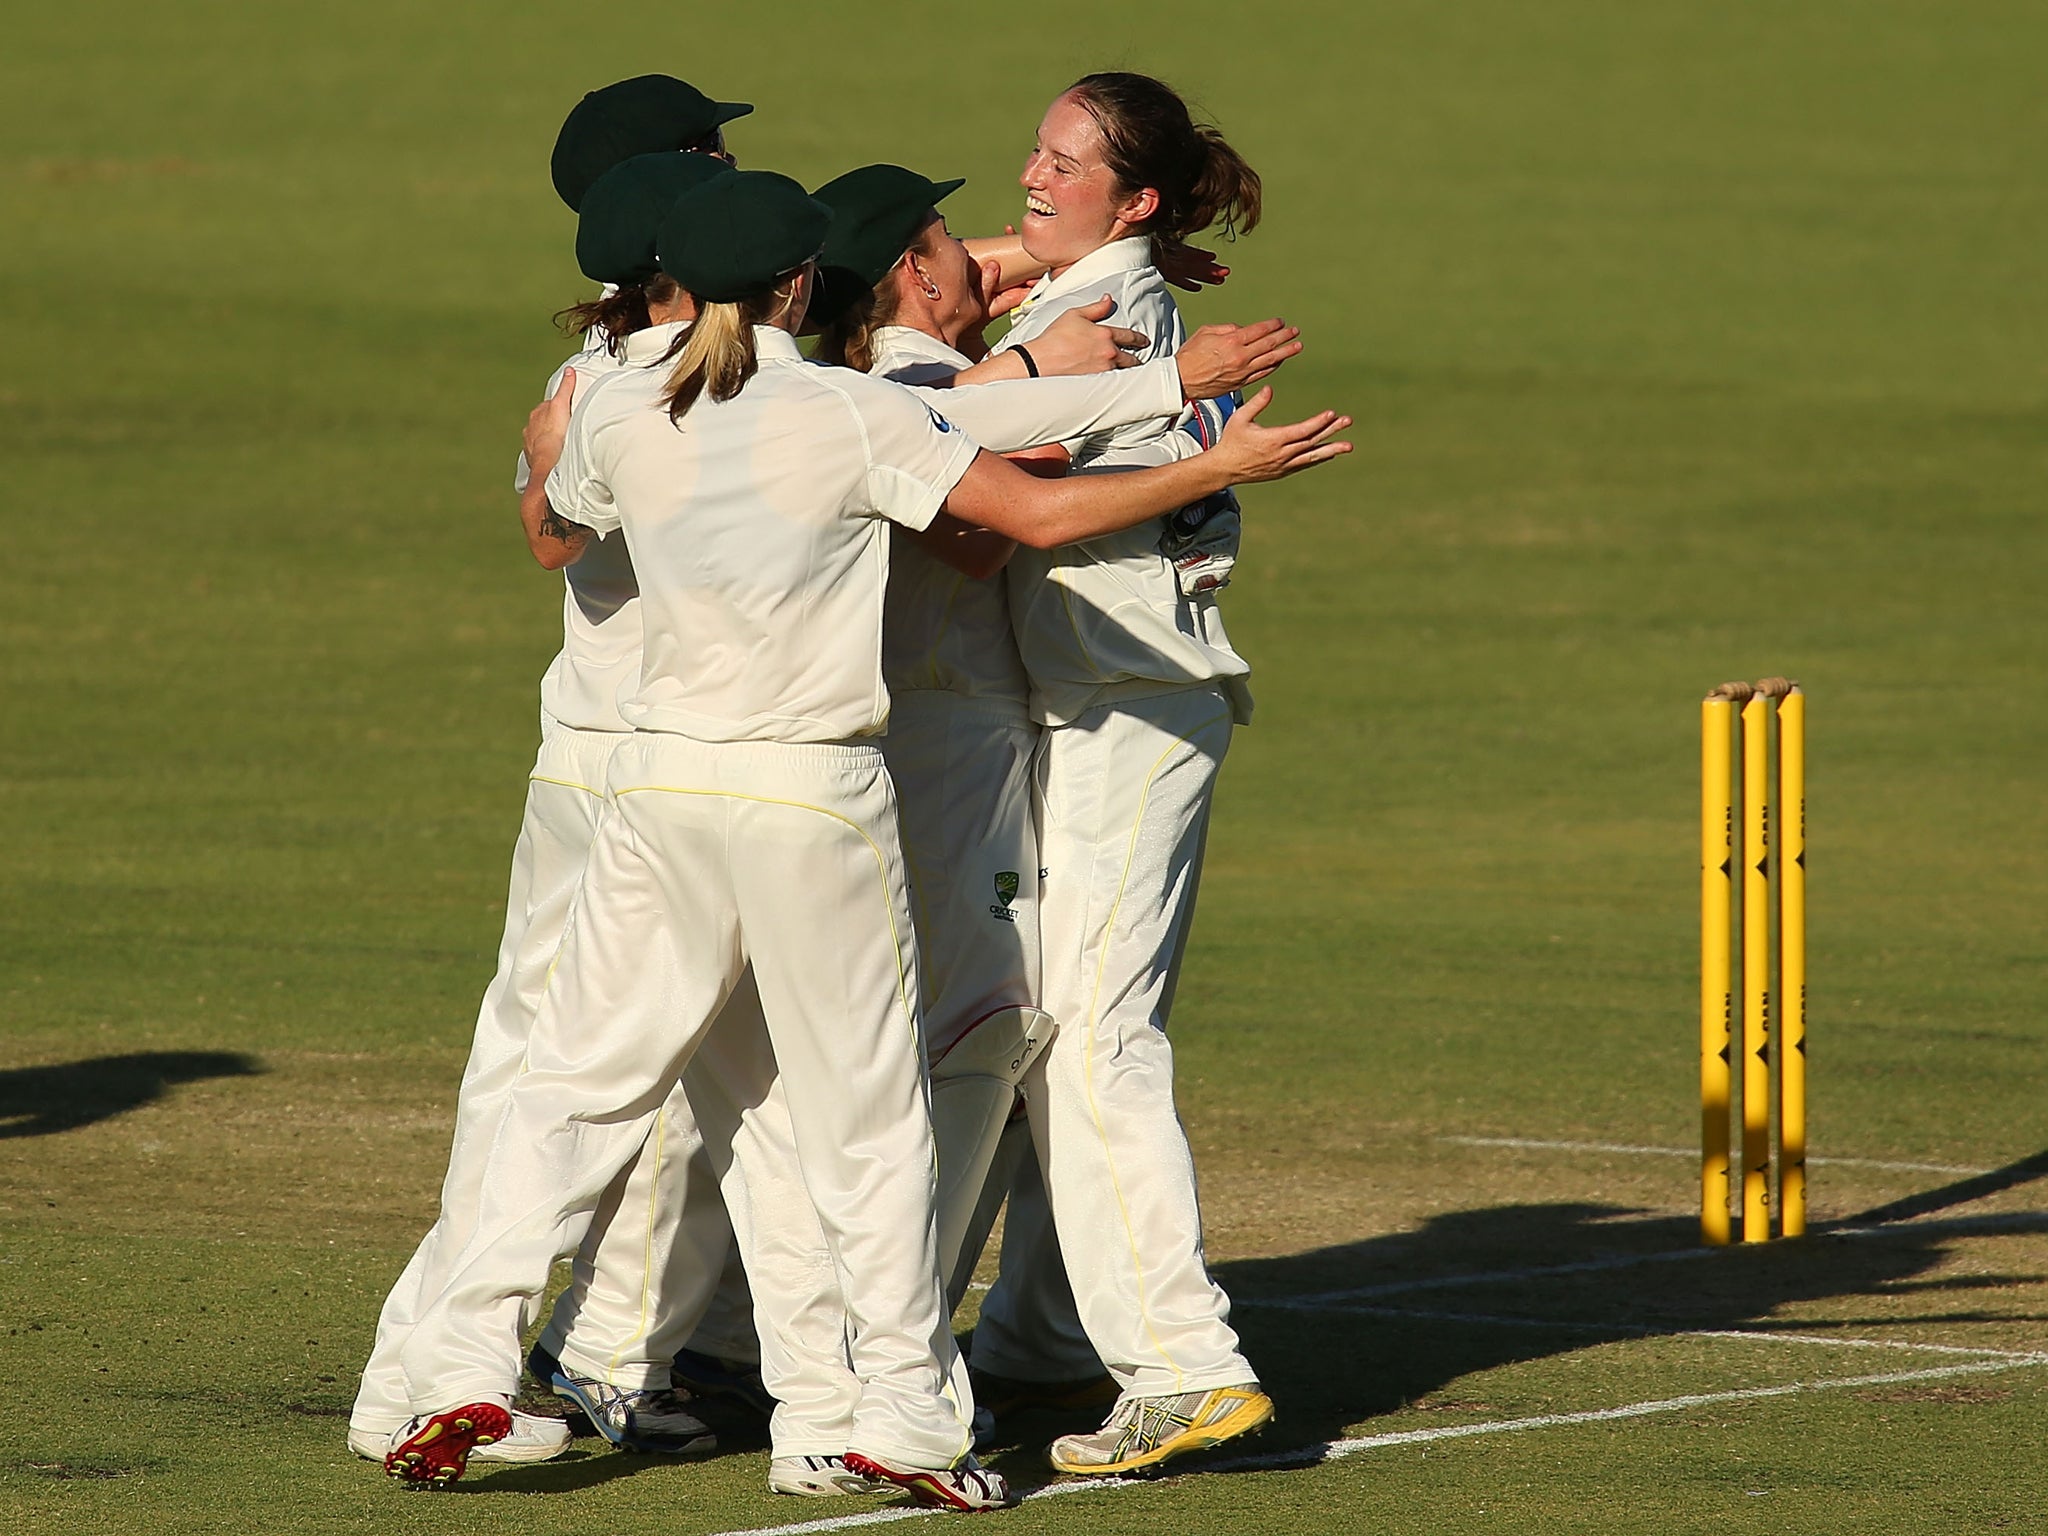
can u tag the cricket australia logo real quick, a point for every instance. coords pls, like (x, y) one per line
(1006, 892)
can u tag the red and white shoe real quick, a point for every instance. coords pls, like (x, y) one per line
(968, 1487)
(434, 1451)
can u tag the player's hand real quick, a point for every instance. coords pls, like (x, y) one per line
(1189, 267)
(1220, 358)
(1078, 342)
(1253, 453)
(547, 425)
(998, 301)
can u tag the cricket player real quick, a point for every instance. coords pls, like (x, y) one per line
(1138, 688)
(903, 297)
(580, 724)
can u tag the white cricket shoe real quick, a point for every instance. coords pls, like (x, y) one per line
(1142, 1432)
(817, 1477)
(534, 1437)
(654, 1419)
(967, 1486)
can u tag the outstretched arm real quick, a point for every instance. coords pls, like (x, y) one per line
(1048, 513)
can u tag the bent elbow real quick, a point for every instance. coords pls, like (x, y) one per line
(551, 556)
(987, 567)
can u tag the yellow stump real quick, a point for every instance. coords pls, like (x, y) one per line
(1792, 963)
(1756, 973)
(1717, 861)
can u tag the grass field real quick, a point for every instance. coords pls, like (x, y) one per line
(1686, 343)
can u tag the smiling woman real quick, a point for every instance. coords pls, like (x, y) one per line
(1139, 688)
(1119, 154)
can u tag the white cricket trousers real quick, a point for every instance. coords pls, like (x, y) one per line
(962, 769)
(715, 856)
(1123, 797)
(663, 1216)
(962, 772)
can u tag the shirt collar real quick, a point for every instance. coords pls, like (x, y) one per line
(1129, 254)
(644, 346)
(903, 344)
(771, 341)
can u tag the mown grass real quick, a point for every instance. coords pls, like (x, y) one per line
(1684, 344)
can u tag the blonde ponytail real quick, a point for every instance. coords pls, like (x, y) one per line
(716, 355)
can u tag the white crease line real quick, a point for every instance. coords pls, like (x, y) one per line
(2021, 1356)
(1644, 1331)
(1615, 1146)
(1339, 1450)
(2025, 1221)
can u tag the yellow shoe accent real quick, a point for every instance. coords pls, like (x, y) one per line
(1142, 1433)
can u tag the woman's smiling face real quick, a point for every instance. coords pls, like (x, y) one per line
(1073, 203)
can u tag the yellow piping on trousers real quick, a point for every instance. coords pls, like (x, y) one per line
(659, 1140)
(1094, 1014)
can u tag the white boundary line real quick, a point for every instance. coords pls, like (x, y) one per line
(1534, 1145)
(1339, 1450)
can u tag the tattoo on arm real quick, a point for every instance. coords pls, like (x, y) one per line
(555, 526)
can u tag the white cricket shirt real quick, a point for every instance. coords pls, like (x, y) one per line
(943, 630)
(1106, 619)
(600, 656)
(758, 528)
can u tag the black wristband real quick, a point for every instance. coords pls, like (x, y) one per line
(1030, 367)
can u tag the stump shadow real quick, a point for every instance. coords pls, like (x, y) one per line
(1402, 1317)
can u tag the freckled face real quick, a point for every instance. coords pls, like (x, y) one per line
(1071, 196)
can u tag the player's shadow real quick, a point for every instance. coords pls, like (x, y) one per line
(44, 1101)
(1343, 1334)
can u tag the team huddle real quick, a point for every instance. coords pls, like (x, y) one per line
(862, 844)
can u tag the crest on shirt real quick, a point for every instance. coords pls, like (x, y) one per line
(1006, 892)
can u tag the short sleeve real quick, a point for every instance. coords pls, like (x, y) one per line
(915, 455)
(577, 489)
(522, 475)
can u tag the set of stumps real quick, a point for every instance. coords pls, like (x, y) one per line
(1753, 935)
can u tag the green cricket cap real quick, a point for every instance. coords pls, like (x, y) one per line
(632, 117)
(735, 235)
(876, 214)
(623, 210)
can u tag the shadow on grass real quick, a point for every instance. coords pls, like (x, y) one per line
(586, 1464)
(44, 1101)
(1344, 1334)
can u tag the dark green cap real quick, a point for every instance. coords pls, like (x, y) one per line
(633, 117)
(876, 214)
(623, 210)
(734, 236)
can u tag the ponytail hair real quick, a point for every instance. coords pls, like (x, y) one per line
(620, 313)
(849, 340)
(716, 355)
(1150, 139)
